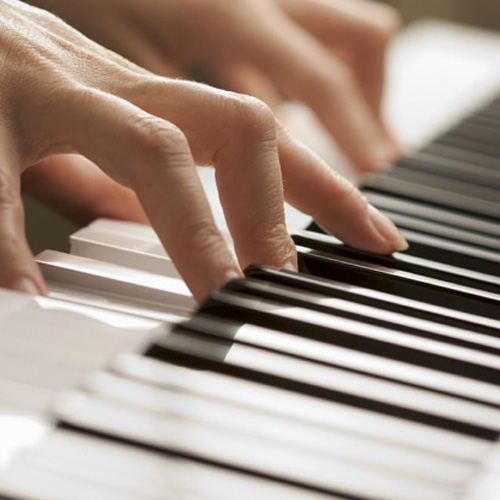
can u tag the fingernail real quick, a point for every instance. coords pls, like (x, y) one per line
(232, 275)
(387, 230)
(290, 266)
(25, 285)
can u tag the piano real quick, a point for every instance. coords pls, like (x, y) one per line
(362, 377)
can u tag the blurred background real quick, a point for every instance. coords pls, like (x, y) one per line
(484, 13)
(47, 230)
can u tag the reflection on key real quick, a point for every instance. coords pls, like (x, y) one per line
(256, 456)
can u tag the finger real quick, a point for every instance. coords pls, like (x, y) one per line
(18, 270)
(236, 134)
(248, 177)
(250, 185)
(306, 71)
(360, 29)
(152, 156)
(334, 203)
(76, 187)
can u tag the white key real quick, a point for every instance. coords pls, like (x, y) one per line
(247, 452)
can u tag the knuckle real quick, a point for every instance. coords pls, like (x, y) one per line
(272, 239)
(11, 243)
(348, 195)
(159, 138)
(272, 234)
(203, 238)
(343, 192)
(78, 96)
(255, 117)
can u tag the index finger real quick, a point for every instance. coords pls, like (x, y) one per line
(152, 156)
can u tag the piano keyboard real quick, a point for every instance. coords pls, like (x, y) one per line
(362, 377)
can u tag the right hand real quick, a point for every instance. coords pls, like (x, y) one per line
(61, 93)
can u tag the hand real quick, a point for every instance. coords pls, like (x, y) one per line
(61, 93)
(328, 54)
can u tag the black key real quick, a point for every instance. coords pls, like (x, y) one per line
(345, 360)
(386, 319)
(401, 283)
(465, 242)
(451, 252)
(462, 155)
(377, 299)
(481, 134)
(492, 109)
(453, 187)
(452, 169)
(355, 335)
(408, 190)
(442, 235)
(197, 350)
(426, 212)
(332, 367)
(471, 144)
(404, 262)
(486, 120)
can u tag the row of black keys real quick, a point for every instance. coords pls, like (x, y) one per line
(427, 390)
(454, 181)
(419, 325)
(412, 339)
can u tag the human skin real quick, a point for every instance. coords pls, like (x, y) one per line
(62, 95)
(329, 54)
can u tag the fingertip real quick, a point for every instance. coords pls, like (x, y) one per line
(291, 266)
(382, 160)
(402, 245)
(202, 292)
(231, 275)
(386, 231)
(28, 286)
(394, 151)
